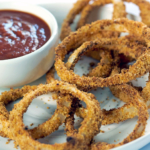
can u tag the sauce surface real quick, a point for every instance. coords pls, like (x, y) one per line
(21, 33)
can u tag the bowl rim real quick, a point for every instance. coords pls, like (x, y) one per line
(52, 37)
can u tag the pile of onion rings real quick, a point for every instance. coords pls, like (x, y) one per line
(114, 54)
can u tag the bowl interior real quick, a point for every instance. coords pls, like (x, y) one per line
(38, 11)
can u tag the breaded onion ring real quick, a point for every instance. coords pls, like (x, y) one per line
(144, 8)
(128, 94)
(128, 45)
(123, 113)
(127, 111)
(134, 104)
(119, 10)
(109, 117)
(122, 25)
(146, 93)
(103, 69)
(114, 115)
(5, 98)
(37, 132)
(77, 8)
(50, 75)
(80, 139)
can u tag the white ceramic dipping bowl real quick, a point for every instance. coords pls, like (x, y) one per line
(25, 69)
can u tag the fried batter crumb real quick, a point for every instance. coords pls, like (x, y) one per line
(107, 98)
(31, 124)
(8, 141)
(15, 145)
(114, 100)
(102, 131)
(54, 96)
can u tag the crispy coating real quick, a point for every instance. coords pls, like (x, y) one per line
(123, 113)
(146, 93)
(135, 106)
(37, 132)
(77, 8)
(136, 70)
(84, 48)
(50, 75)
(103, 69)
(119, 12)
(5, 98)
(85, 132)
(115, 115)
(128, 111)
(112, 116)
(129, 45)
(128, 94)
(144, 8)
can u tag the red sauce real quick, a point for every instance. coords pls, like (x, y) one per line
(21, 33)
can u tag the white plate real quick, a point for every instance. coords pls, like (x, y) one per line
(38, 112)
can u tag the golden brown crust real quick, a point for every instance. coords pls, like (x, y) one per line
(146, 93)
(5, 98)
(103, 69)
(86, 128)
(126, 92)
(37, 132)
(144, 8)
(119, 12)
(77, 8)
(136, 70)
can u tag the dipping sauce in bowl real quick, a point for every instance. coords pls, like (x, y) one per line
(21, 33)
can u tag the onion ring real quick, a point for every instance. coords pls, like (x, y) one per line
(129, 45)
(114, 115)
(5, 98)
(144, 7)
(103, 69)
(129, 95)
(37, 132)
(134, 49)
(83, 134)
(127, 111)
(50, 75)
(119, 10)
(109, 117)
(77, 8)
(123, 113)
(146, 94)
(126, 92)
(139, 68)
